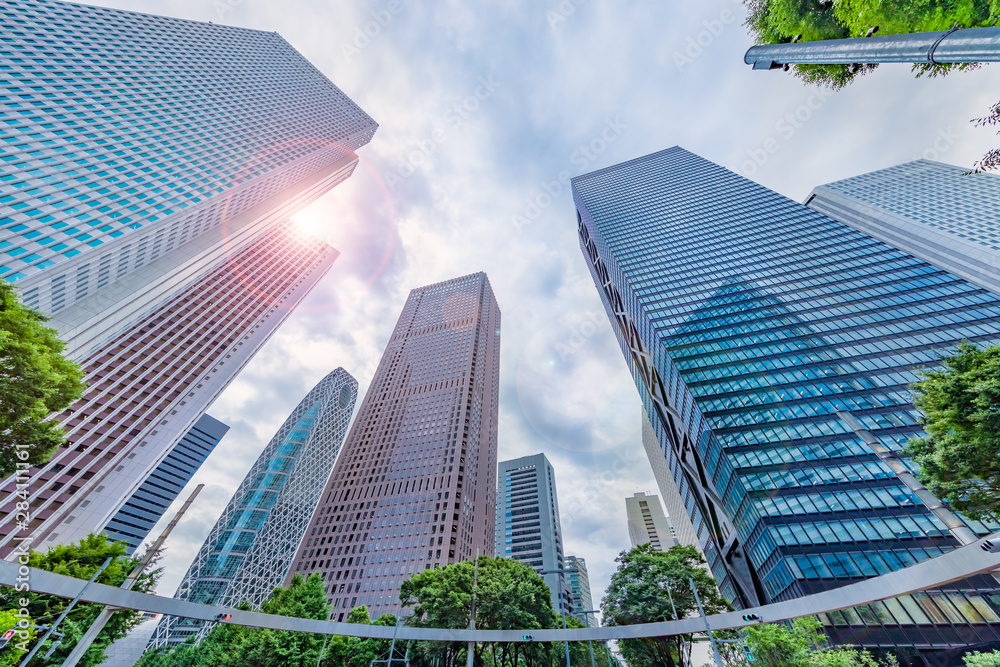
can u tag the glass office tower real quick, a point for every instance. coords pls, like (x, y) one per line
(941, 213)
(250, 548)
(528, 528)
(416, 485)
(748, 321)
(149, 168)
(140, 512)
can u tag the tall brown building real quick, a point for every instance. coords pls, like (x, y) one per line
(415, 484)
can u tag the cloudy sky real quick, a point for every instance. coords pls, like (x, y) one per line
(482, 108)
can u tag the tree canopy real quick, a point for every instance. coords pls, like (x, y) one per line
(509, 595)
(648, 587)
(802, 644)
(35, 381)
(81, 561)
(959, 458)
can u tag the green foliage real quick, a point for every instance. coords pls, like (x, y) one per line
(22, 639)
(960, 457)
(801, 645)
(358, 652)
(776, 645)
(978, 659)
(235, 646)
(81, 561)
(35, 381)
(509, 595)
(647, 587)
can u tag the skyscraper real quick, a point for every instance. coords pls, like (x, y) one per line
(250, 548)
(146, 211)
(414, 488)
(144, 508)
(578, 581)
(647, 524)
(748, 321)
(104, 175)
(156, 379)
(940, 213)
(528, 528)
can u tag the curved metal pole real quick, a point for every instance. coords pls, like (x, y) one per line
(959, 564)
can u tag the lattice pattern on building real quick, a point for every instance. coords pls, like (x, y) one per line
(250, 548)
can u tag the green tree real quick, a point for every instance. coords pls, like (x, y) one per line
(647, 588)
(81, 561)
(959, 458)
(23, 637)
(802, 644)
(509, 595)
(978, 659)
(235, 646)
(357, 651)
(35, 381)
(781, 21)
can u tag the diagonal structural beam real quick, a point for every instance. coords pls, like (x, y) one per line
(977, 558)
(972, 45)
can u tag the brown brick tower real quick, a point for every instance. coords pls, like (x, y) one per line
(415, 484)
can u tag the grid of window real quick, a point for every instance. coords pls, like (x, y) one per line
(138, 382)
(140, 513)
(748, 321)
(940, 195)
(124, 135)
(414, 487)
(249, 550)
(528, 528)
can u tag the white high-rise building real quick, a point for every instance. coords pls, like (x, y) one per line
(647, 523)
(941, 213)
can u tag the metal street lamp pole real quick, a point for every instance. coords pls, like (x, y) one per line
(470, 650)
(102, 619)
(971, 45)
(62, 616)
(589, 641)
(708, 628)
(562, 603)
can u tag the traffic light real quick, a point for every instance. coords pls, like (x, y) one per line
(223, 617)
(751, 617)
(991, 547)
(749, 653)
(6, 637)
(527, 638)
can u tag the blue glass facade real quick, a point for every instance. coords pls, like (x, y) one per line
(748, 321)
(250, 549)
(145, 507)
(124, 135)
